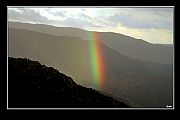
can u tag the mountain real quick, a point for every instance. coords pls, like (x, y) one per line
(125, 45)
(146, 84)
(32, 85)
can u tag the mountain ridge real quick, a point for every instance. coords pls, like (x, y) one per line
(75, 28)
(34, 85)
(125, 45)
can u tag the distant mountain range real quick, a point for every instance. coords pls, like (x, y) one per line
(32, 85)
(125, 45)
(146, 83)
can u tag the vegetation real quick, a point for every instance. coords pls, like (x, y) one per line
(33, 85)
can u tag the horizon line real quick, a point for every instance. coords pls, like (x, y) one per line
(88, 31)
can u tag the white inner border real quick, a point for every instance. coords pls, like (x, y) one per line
(171, 108)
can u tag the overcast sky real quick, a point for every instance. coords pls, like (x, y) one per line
(154, 25)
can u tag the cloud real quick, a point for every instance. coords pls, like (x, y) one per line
(137, 22)
(84, 17)
(153, 35)
(58, 13)
(50, 16)
(83, 10)
(128, 20)
(143, 18)
(79, 23)
(156, 10)
(28, 15)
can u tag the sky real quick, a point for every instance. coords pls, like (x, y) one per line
(154, 25)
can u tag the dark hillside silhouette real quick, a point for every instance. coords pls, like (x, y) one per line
(33, 85)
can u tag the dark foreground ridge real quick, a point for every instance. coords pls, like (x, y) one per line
(32, 85)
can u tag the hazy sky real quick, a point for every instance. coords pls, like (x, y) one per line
(154, 25)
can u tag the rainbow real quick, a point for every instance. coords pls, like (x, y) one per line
(96, 59)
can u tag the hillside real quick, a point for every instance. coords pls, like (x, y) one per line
(125, 45)
(31, 84)
(146, 83)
